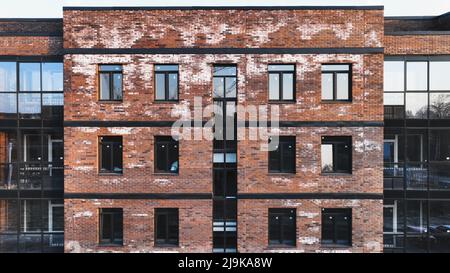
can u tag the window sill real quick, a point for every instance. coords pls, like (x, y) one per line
(336, 174)
(110, 174)
(281, 247)
(166, 246)
(335, 246)
(167, 101)
(111, 101)
(281, 174)
(282, 102)
(336, 101)
(110, 245)
(164, 174)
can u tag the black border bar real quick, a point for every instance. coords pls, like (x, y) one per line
(209, 196)
(93, 8)
(161, 123)
(196, 50)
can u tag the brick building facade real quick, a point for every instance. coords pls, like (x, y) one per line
(217, 195)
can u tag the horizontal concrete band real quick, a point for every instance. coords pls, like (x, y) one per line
(92, 123)
(229, 8)
(202, 196)
(192, 50)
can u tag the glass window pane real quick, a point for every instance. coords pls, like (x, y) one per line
(440, 145)
(439, 75)
(342, 86)
(57, 218)
(440, 105)
(327, 86)
(8, 104)
(110, 68)
(52, 76)
(160, 87)
(218, 87)
(327, 157)
(29, 103)
(274, 86)
(30, 76)
(335, 67)
(166, 67)
(7, 76)
(9, 213)
(288, 86)
(106, 160)
(117, 84)
(440, 226)
(416, 76)
(394, 99)
(104, 86)
(230, 86)
(224, 70)
(173, 86)
(394, 76)
(281, 67)
(106, 226)
(416, 105)
(117, 157)
(53, 99)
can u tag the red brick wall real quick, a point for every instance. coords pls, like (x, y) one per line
(82, 221)
(222, 28)
(417, 44)
(367, 224)
(232, 28)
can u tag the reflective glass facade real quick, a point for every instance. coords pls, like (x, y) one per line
(31, 155)
(417, 154)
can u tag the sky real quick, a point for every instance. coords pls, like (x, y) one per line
(53, 8)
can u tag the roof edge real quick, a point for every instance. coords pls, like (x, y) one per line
(93, 8)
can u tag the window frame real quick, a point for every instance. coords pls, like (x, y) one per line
(283, 213)
(166, 242)
(167, 140)
(166, 74)
(281, 170)
(334, 140)
(334, 73)
(344, 212)
(225, 97)
(280, 74)
(100, 155)
(111, 83)
(112, 241)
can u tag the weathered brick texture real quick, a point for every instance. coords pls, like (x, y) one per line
(220, 29)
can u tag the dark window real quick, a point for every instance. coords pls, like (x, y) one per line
(337, 227)
(111, 226)
(166, 227)
(282, 159)
(282, 227)
(336, 82)
(166, 82)
(110, 154)
(336, 154)
(110, 78)
(281, 82)
(166, 155)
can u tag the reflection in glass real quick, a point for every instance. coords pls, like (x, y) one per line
(327, 86)
(30, 76)
(29, 103)
(440, 145)
(274, 86)
(52, 76)
(439, 105)
(7, 76)
(439, 76)
(416, 105)
(8, 104)
(394, 75)
(416, 77)
(394, 99)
